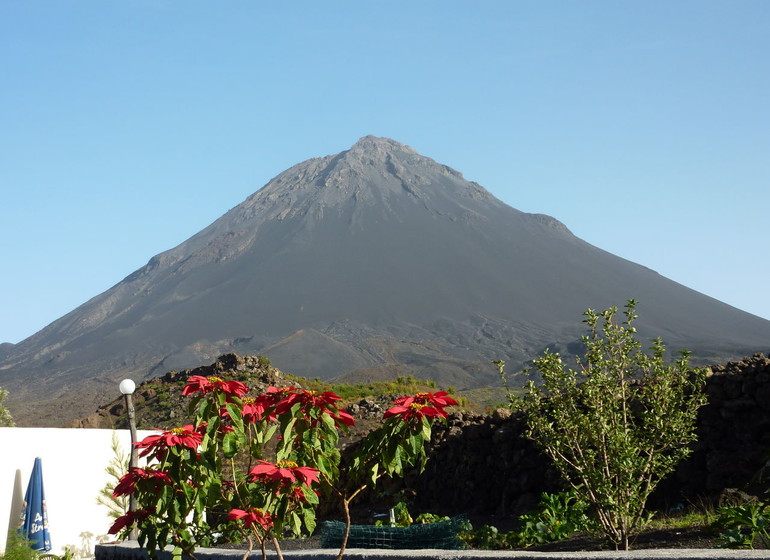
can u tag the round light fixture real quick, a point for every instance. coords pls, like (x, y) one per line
(127, 387)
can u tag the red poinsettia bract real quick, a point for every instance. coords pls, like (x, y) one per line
(251, 516)
(344, 417)
(258, 409)
(204, 385)
(156, 445)
(307, 399)
(414, 410)
(145, 478)
(286, 398)
(284, 473)
(439, 399)
(129, 519)
(420, 406)
(297, 494)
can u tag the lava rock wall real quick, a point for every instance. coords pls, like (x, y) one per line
(484, 464)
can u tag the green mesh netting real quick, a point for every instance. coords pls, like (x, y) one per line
(442, 534)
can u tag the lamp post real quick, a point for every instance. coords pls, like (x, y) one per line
(127, 388)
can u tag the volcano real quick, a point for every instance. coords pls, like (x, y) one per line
(359, 266)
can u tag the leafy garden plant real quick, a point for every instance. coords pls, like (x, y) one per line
(556, 518)
(744, 526)
(253, 468)
(616, 424)
(19, 548)
(486, 537)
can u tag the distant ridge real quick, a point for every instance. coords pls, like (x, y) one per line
(370, 261)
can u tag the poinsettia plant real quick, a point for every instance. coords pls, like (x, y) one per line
(255, 467)
(393, 447)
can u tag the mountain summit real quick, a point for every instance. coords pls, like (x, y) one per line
(367, 264)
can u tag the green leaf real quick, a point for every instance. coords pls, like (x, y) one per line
(204, 409)
(426, 428)
(200, 502)
(328, 423)
(266, 432)
(230, 445)
(236, 415)
(286, 443)
(310, 520)
(310, 496)
(296, 523)
(415, 446)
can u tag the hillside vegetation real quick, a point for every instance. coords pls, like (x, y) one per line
(159, 403)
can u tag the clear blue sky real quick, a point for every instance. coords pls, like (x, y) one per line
(127, 126)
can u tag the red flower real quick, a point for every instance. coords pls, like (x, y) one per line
(439, 399)
(421, 405)
(297, 494)
(284, 473)
(414, 410)
(344, 417)
(256, 409)
(286, 398)
(204, 385)
(275, 395)
(250, 517)
(156, 445)
(308, 399)
(149, 478)
(129, 519)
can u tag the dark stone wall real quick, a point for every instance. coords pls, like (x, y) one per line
(484, 465)
(733, 443)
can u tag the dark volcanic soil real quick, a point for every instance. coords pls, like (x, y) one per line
(691, 537)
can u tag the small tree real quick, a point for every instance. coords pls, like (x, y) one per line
(115, 469)
(6, 421)
(619, 423)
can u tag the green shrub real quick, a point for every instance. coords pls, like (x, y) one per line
(264, 361)
(18, 548)
(616, 425)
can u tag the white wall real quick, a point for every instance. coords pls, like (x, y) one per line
(74, 463)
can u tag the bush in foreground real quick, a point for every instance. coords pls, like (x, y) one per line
(617, 424)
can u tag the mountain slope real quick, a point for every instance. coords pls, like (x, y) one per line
(376, 257)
